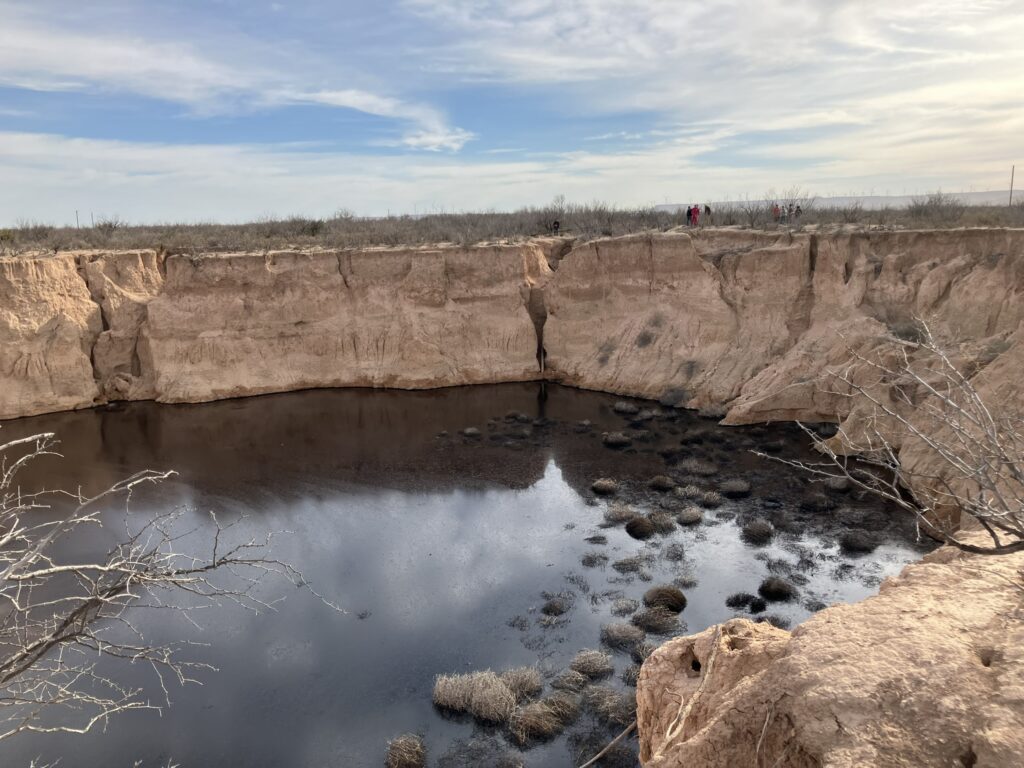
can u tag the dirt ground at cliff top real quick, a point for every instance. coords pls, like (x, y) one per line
(444, 521)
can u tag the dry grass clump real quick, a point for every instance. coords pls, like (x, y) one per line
(657, 621)
(621, 636)
(585, 745)
(663, 522)
(699, 467)
(594, 560)
(633, 564)
(604, 486)
(406, 751)
(593, 664)
(570, 680)
(630, 675)
(616, 514)
(640, 528)
(484, 695)
(545, 718)
(711, 499)
(661, 483)
(597, 538)
(690, 516)
(758, 531)
(624, 606)
(610, 706)
(670, 598)
(643, 650)
(690, 492)
(524, 682)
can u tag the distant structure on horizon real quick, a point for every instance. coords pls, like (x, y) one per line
(871, 202)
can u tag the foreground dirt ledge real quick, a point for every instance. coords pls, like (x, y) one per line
(930, 672)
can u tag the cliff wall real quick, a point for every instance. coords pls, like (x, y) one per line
(79, 329)
(741, 324)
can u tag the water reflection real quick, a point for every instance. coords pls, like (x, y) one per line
(431, 540)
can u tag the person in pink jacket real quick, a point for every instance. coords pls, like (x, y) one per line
(696, 215)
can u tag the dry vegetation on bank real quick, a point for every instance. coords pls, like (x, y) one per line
(587, 221)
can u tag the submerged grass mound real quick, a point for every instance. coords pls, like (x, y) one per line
(617, 514)
(739, 600)
(667, 597)
(630, 564)
(857, 543)
(604, 486)
(594, 560)
(675, 552)
(610, 706)
(524, 682)
(711, 499)
(661, 483)
(774, 589)
(662, 522)
(544, 719)
(592, 664)
(570, 680)
(640, 528)
(690, 492)
(630, 675)
(555, 606)
(657, 621)
(621, 636)
(758, 531)
(406, 751)
(624, 606)
(690, 516)
(642, 651)
(484, 695)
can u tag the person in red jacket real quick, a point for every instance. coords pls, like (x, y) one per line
(696, 215)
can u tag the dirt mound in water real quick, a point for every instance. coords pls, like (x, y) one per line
(926, 673)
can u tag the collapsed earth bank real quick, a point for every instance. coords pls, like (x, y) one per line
(740, 324)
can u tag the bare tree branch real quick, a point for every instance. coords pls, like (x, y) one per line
(60, 621)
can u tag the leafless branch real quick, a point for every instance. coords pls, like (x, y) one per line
(60, 620)
(910, 395)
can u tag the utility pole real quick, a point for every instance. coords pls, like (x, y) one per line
(1013, 170)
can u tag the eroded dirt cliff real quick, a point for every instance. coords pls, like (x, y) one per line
(930, 672)
(735, 322)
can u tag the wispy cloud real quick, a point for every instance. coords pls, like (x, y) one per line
(41, 56)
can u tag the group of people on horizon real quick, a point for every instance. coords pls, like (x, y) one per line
(786, 213)
(693, 215)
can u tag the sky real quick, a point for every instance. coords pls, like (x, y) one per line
(230, 110)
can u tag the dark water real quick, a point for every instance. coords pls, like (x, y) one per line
(433, 544)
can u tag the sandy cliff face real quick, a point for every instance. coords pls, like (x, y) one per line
(930, 672)
(188, 329)
(48, 326)
(747, 323)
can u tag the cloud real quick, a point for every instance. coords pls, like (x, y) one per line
(38, 55)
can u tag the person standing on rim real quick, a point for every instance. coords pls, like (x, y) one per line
(696, 214)
(707, 213)
(689, 216)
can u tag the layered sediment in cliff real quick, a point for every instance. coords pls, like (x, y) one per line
(929, 672)
(743, 324)
(78, 329)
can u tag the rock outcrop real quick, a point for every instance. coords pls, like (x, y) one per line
(929, 672)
